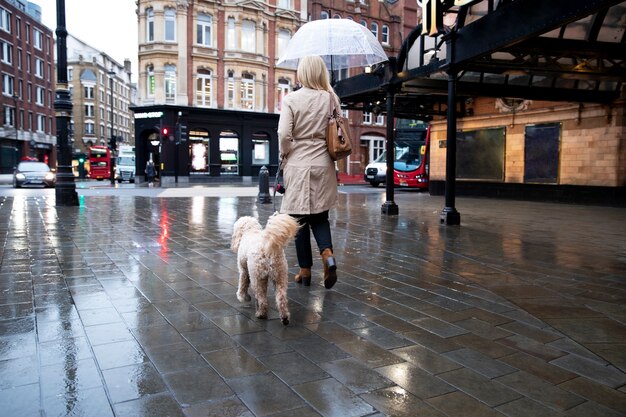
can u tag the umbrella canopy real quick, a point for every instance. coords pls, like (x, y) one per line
(342, 43)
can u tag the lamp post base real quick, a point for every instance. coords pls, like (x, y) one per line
(450, 217)
(389, 208)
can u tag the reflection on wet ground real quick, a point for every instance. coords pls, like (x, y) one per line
(125, 306)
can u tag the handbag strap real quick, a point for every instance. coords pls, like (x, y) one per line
(332, 106)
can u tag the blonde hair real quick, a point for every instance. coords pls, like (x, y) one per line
(312, 73)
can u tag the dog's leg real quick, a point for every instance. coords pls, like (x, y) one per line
(261, 297)
(244, 283)
(281, 295)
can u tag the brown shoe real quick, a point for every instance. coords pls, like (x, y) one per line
(330, 268)
(303, 277)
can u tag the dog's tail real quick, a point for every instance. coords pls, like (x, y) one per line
(279, 230)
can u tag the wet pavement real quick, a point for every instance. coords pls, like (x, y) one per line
(125, 306)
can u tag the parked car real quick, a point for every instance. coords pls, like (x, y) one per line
(33, 173)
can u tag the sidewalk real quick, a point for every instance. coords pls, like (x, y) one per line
(125, 306)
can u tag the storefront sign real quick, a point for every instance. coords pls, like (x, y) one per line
(149, 115)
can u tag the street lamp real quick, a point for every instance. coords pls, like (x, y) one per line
(65, 190)
(15, 98)
(112, 137)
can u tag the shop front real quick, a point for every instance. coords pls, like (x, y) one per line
(212, 144)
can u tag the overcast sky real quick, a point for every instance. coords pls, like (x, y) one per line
(107, 25)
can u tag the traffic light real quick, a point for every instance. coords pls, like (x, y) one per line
(181, 133)
(113, 143)
(166, 133)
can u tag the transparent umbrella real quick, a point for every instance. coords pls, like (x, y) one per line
(342, 43)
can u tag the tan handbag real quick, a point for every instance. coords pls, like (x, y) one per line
(338, 135)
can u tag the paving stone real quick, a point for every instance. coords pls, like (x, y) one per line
(604, 374)
(265, 394)
(173, 358)
(330, 398)
(460, 404)
(229, 407)
(493, 349)
(484, 389)
(541, 391)
(21, 401)
(293, 368)
(480, 363)
(599, 393)
(525, 407)
(158, 405)
(115, 355)
(415, 380)
(426, 359)
(538, 367)
(132, 382)
(356, 376)
(197, 385)
(524, 344)
(592, 409)
(395, 401)
(233, 363)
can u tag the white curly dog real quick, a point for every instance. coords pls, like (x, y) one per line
(261, 258)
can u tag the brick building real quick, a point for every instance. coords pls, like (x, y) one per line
(27, 66)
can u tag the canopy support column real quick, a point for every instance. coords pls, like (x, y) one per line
(449, 214)
(390, 207)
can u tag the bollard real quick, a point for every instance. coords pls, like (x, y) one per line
(264, 186)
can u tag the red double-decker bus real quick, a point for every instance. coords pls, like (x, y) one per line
(410, 168)
(99, 163)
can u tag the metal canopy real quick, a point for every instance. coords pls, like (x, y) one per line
(558, 50)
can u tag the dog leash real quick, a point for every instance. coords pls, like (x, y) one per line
(280, 167)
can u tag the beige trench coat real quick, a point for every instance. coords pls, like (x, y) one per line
(308, 171)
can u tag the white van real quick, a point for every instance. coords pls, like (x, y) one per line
(375, 172)
(125, 164)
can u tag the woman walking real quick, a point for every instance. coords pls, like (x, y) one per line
(308, 170)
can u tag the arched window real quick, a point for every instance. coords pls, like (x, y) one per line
(283, 39)
(248, 36)
(247, 91)
(324, 15)
(204, 30)
(284, 88)
(385, 35)
(204, 86)
(150, 82)
(363, 23)
(375, 29)
(150, 25)
(337, 16)
(170, 24)
(170, 84)
(231, 34)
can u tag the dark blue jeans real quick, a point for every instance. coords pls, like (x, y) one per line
(318, 223)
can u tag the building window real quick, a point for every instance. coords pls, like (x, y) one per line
(283, 40)
(7, 85)
(284, 88)
(205, 24)
(170, 83)
(377, 147)
(38, 67)
(363, 23)
(151, 86)
(37, 39)
(7, 53)
(230, 88)
(170, 24)
(385, 35)
(41, 123)
(367, 118)
(284, 4)
(248, 36)
(89, 110)
(150, 25)
(380, 120)
(5, 20)
(9, 116)
(231, 34)
(247, 91)
(203, 89)
(89, 92)
(40, 95)
(90, 128)
(375, 29)
(324, 15)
